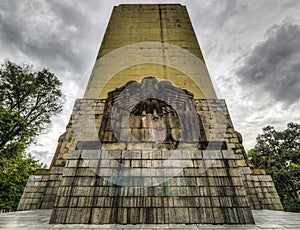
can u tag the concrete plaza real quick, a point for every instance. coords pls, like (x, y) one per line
(38, 219)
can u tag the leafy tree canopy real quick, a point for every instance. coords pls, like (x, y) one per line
(14, 173)
(28, 100)
(279, 153)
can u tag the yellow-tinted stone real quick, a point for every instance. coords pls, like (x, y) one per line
(150, 40)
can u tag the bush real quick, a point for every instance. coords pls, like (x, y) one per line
(291, 205)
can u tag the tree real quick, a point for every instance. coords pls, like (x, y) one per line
(8, 120)
(279, 153)
(28, 100)
(14, 173)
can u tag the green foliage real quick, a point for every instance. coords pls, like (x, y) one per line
(14, 173)
(10, 120)
(291, 205)
(279, 153)
(28, 100)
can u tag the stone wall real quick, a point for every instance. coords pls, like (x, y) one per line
(82, 133)
(218, 126)
(41, 188)
(261, 190)
(34, 191)
(208, 188)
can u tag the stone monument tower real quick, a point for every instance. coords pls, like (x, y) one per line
(150, 142)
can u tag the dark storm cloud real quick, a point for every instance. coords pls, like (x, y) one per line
(274, 65)
(56, 34)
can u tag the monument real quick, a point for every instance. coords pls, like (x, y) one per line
(150, 142)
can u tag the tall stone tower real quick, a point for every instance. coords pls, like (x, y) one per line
(150, 142)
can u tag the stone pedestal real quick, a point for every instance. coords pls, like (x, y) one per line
(208, 190)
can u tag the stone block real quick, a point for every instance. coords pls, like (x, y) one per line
(229, 154)
(210, 154)
(113, 147)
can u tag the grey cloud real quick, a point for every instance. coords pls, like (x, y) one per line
(53, 33)
(228, 9)
(290, 3)
(42, 156)
(274, 64)
(219, 12)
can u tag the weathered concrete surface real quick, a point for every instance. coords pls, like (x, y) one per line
(150, 40)
(39, 219)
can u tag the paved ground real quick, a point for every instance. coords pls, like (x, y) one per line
(39, 219)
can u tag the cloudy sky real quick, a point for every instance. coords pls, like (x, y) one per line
(252, 50)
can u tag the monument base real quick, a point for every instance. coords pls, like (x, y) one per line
(194, 194)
